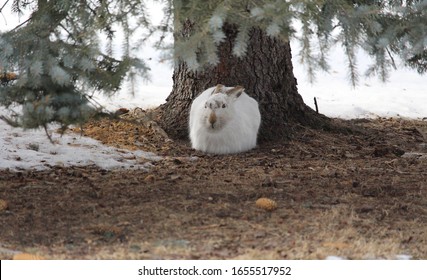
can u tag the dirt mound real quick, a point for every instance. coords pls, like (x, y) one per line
(135, 129)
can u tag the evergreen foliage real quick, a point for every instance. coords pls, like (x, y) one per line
(381, 28)
(58, 60)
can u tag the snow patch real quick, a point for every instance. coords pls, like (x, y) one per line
(31, 149)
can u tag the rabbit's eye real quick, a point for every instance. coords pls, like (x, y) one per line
(223, 105)
(206, 106)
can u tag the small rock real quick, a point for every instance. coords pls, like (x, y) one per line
(175, 177)
(3, 204)
(149, 179)
(121, 111)
(266, 204)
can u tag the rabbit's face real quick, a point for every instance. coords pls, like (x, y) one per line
(216, 112)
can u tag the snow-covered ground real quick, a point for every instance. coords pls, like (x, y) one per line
(32, 150)
(405, 95)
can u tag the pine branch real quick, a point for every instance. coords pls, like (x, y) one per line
(4, 5)
(20, 25)
(49, 136)
(68, 32)
(9, 121)
(392, 59)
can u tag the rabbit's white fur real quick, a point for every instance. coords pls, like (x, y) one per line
(224, 120)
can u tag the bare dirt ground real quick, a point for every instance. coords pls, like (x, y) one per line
(358, 195)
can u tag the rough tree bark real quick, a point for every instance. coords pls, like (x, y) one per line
(266, 72)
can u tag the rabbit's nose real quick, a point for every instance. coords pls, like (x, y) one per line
(212, 119)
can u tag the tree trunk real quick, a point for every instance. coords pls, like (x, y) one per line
(265, 72)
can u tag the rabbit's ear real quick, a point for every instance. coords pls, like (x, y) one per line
(235, 92)
(219, 88)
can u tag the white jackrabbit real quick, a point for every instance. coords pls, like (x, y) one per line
(224, 120)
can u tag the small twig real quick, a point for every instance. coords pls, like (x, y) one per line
(315, 104)
(92, 101)
(68, 32)
(4, 5)
(4, 18)
(392, 59)
(9, 121)
(47, 134)
(20, 25)
(1, 11)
